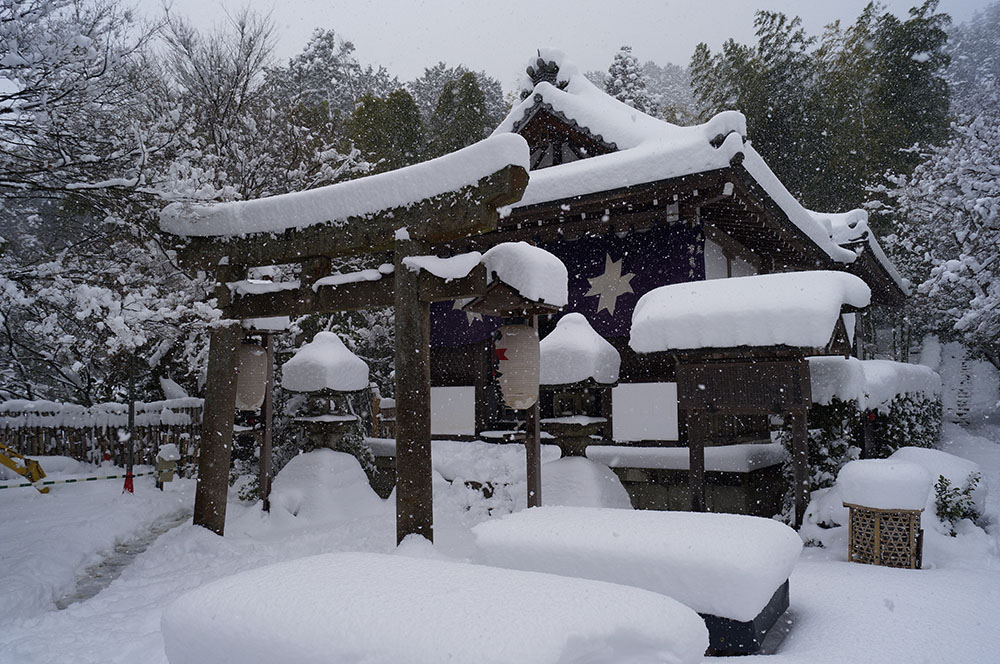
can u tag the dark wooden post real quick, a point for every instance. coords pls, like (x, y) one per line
(267, 415)
(217, 428)
(414, 492)
(697, 428)
(533, 446)
(800, 462)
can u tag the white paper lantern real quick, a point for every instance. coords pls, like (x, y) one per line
(251, 381)
(517, 353)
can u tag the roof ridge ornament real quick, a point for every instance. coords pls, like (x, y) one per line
(544, 70)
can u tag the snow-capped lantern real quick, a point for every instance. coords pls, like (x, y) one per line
(329, 374)
(574, 353)
(324, 363)
(251, 380)
(578, 368)
(517, 365)
(885, 498)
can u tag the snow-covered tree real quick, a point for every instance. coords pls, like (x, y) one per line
(626, 83)
(74, 101)
(949, 211)
(327, 75)
(669, 87)
(974, 48)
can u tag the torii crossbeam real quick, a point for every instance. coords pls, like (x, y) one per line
(406, 212)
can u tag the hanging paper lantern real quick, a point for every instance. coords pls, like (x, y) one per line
(517, 356)
(251, 381)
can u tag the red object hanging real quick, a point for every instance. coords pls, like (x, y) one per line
(128, 484)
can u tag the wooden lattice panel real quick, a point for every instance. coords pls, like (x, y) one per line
(889, 538)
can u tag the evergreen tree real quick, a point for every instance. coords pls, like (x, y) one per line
(389, 132)
(459, 118)
(626, 83)
(426, 91)
(769, 83)
(831, 118)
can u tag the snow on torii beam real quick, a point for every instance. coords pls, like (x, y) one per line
(438, 201)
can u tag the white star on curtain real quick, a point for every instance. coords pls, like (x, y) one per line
(611, 285)
(470, 316)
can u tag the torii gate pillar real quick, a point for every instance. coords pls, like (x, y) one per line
(414, 485)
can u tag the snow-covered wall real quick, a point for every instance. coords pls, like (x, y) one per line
(19, 413)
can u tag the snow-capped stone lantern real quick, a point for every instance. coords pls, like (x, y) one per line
(328, 374)
(578, 369)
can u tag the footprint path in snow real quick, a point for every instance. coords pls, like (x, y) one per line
(99, 576)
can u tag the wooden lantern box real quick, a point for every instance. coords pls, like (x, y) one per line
(890, 538)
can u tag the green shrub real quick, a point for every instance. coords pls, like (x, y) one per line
(912, 420)
(953, 504)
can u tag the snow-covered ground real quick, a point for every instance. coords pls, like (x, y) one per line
(840, 612)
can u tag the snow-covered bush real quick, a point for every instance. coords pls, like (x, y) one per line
(900, 402)
(954, 504)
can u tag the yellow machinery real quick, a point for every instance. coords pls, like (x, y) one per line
(29, 468)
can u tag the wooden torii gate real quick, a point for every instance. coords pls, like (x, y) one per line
(405, 231)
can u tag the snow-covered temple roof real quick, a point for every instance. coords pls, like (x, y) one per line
(643, 149)
(356, 198)
(851, 230)
(798, 309)
(324, 363)
(573, 352)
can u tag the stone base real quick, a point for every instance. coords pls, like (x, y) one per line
(732, 637)
(757, 492)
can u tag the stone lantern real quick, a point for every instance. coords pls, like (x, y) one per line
(578, 369)
(327, 374)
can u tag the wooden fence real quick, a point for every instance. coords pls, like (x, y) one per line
(36, 428)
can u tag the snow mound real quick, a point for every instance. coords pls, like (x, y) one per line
(171, 390)
(738, 458)
(498, 463)
(324, 486)
(54, 467)
(792, 308)
(580, 482)
(573, 352)
(359, 198)
(942, 464)
(884, 484)
(533, 272)
(726, 565)
(386, 609)
(835, 377)
(873, 383)
(324, 363)
(455, 267)
(168, 452)
(885, 380)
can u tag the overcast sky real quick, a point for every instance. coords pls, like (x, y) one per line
(500, 36)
